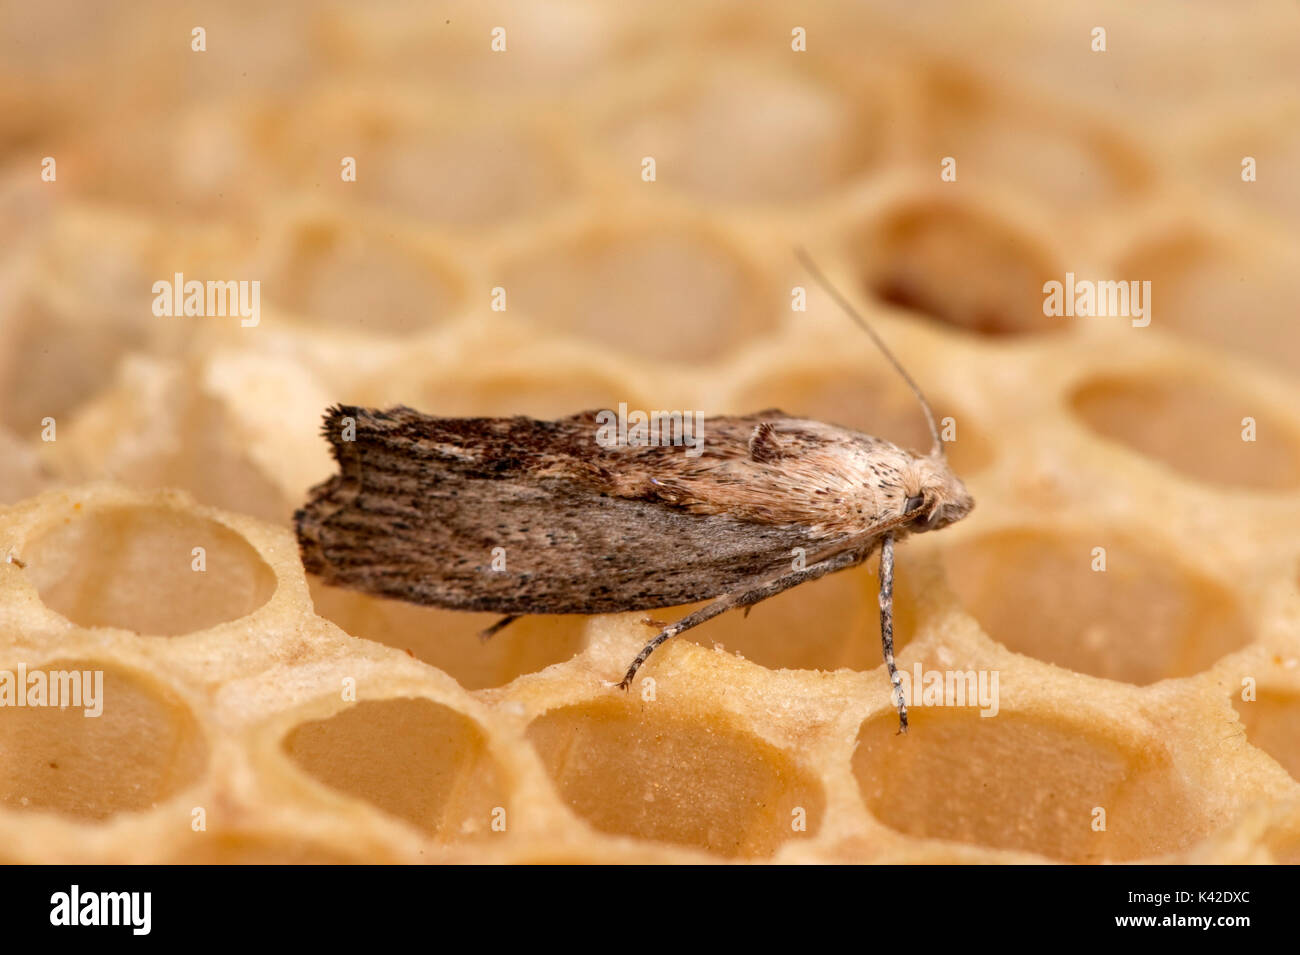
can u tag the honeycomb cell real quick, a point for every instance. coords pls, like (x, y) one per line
(138, 568)
(347, 279)
(1026, 782)
(1274, 138)
(1059, 156)
(713, 141)
(460, 177)
(1142, 619)
(52, 363)
(1232, 299)
(188, 172)
(450, 640)
(675, 294)
(650, 772)
(413, 758)
(1194, 427)
(213, 465)
(142, 748)
(1060, 169)
(874, 402)
(960, 268)
(822, 625)
(551, 48)
(1273, 724)
(233, 848)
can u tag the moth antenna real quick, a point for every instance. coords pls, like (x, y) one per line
(842, 302)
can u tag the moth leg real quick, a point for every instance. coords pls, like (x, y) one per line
(887, 626)
(750, 595)
(497, 627)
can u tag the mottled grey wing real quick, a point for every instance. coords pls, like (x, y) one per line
(422, 504)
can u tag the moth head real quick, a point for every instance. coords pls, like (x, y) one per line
(935, 496)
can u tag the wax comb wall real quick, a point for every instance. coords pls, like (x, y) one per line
(150, 464)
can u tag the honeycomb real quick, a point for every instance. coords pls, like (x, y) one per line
(1131, 572)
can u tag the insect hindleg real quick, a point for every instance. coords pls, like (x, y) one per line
(741, 598)
(887, 625)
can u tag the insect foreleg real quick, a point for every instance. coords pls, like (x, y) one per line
(887, 625)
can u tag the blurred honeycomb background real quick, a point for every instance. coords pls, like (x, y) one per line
(252, 714)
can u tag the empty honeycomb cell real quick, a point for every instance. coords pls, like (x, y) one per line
(667, 293)
(958, 266)
(450, 640)
(1026, 782)
(1194, 426)
(822, 625)
(1143, 618)
(213, 464)
(201, 167)
(873, 401)
(551, 48)
(107, 279)
(455, 176)
(1059, 156)
(51, 363)
(262, 59)
(652, 772)
(1213, 292)
(749, 132)
(413, 758)
(231, 848)
(136, 568)
(348, 279)
(1271, 138)
(1061, 167)
(143, 747)
(1273, 724)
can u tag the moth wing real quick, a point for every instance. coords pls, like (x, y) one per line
(514, 515)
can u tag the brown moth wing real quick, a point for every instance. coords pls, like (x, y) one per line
(421, 502)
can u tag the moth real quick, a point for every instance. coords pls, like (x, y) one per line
(421, 504)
